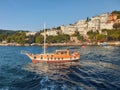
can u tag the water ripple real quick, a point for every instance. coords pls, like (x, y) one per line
(98, 69)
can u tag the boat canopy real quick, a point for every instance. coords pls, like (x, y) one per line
(62, 52)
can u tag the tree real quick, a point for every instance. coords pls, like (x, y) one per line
(116, 26)
(61, 38)
(20, 37)
(58, 28)
(39, 39)
(116, 12)
(76, 33)
(30, 39)
(101, 37)
(92, 35)
(80, 37)
(88, 19)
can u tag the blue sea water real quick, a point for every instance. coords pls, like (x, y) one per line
(97, 69)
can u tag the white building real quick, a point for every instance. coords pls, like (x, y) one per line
(70, 29)
(82, 27)
(95, 23)
(51, 32)
(100, 22)
(30, 33)
(104, 17)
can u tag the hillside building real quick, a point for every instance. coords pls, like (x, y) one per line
(99, 22)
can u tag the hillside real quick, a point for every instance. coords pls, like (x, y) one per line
(6, 31)
(2, 31)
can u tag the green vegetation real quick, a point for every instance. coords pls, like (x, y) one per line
(92, 35)
(101, 37)
(39, 39)
(13, 36)
(105, 35)
(116, 26)
(61, 38)
(21, 38)
(113, 35)
(30, 39)
(116, 12)
(18, 37)
(6, 31)
(78, 35)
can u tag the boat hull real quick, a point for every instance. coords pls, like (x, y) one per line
(59, 56)
(54, 61)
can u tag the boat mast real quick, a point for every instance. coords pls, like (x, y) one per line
(44, 40)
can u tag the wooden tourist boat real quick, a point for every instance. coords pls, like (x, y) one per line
(58, 56)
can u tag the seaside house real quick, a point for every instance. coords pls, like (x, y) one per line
(30, 33)
(70, 29)
(99, 22)
(74, 39)
(51, 32)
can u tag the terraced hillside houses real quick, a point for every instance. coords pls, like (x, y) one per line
(99, 22)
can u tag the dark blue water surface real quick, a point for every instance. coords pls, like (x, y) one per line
(97, 69)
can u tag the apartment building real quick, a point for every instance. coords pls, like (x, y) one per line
(30, 33)
(99, 22)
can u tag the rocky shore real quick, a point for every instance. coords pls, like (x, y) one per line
(113, 43)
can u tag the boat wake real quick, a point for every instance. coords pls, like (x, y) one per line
(50, 68)
(75, 76)
(58, 75)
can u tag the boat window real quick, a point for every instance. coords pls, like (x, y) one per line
(34, 57)
(64, 52)
(41, 57)
(57, 52)
(61, 52)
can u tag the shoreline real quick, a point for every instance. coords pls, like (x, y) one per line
(112, 43)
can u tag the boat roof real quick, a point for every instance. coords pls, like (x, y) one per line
(62, 50)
